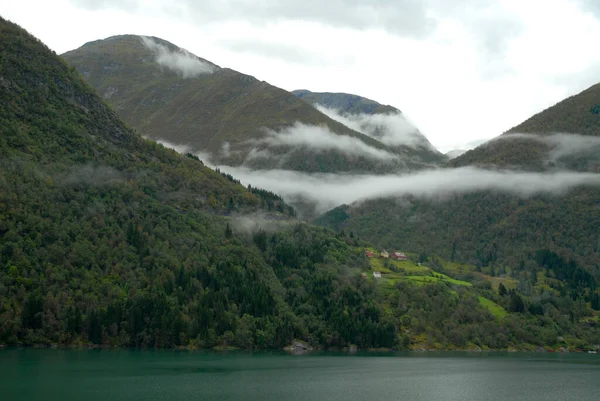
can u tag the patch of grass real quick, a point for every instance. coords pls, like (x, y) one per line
(410, 267)
(377, 265)
(494, 308)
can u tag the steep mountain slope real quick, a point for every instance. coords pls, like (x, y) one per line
(345, 102)
(170, 94)
(562, 136)
(382, 122)
(491, 228)
(107, 238)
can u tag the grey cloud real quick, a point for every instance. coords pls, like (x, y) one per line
(181, 62)
(130, 5)
(319, 138)
(92, 175)
(561, 144)
(406, 17)
(580, 80)
(273, 50)
(485, 19)
(390, 129)
(592, 6)
(491, 25)
(176, 147)
(183, 149)
(330, 190)
(251, 223)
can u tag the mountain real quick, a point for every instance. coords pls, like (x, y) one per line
(562, 136)
(496, 229)
(382, 122)
(108, 239)
(453, 154)
(345, 102)
(170, 94)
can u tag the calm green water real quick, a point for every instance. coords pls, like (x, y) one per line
(29, 374)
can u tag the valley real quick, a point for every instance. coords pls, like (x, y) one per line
(109, 238)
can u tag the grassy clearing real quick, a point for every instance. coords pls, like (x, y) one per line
(377, 265)
(410, 267)
(493, 307)
(407, 266)
(437, 277)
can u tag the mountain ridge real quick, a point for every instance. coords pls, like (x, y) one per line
(531, 144)
(233, 116)
(111, 240)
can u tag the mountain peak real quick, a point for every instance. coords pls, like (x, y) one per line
(345, 102)
(232, 117)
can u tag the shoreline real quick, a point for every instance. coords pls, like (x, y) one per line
(291, 351)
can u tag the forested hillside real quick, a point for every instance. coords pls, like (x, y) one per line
(107, 239)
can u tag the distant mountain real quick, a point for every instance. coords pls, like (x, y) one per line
(566, 135)
(345, 102)
(453, 154)
(382, 122)
(169, 94)
(111, 240)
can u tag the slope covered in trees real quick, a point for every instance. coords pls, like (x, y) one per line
(107, 238)
(110, 239)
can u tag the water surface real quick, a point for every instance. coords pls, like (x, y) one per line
(44, 374)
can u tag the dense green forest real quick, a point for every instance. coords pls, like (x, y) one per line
(107, 239)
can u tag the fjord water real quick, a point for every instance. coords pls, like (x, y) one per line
(45, 374)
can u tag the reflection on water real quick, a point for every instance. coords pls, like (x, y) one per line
(30, 374)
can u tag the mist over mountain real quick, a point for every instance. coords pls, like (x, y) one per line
(108, 239)
(230, 118)
(384, 123)
(562, 136)
(493, 215)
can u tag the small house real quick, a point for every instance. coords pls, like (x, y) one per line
(384, 254)
(399, 256)
(370, 254)
(377, 274)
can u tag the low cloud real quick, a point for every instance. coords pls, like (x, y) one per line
(390, 129)
(226, 149)
(92, 175)
(453, 154)
(330, 190)
(561, 144)
(250, 223)
(319, 138)
(180, 61)
(183, 149)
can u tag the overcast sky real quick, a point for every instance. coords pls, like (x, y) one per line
(461, 70)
